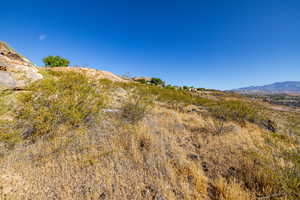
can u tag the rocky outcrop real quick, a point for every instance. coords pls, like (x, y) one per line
(15, 71)
(92, 74)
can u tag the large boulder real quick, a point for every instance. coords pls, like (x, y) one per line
(15, 70)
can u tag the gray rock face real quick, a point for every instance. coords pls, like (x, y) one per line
(6, 80)
(15, 70)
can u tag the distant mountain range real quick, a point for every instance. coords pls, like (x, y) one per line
(287, 87)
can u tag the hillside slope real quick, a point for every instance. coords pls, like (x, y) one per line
(75, 136)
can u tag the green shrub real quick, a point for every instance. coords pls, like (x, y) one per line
(157, 81)
(69, 99)
(55, 61)
(235, 110)
(170, 87)
(5, 97)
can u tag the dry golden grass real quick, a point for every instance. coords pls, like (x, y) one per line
(165, 153)
(130, 163)
(230, 190)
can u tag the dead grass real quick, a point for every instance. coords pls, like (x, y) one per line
(134, 109)
(86, 164)
(157, 157)
(230, 190)
(144, 150)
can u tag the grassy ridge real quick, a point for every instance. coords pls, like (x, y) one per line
(235, 110)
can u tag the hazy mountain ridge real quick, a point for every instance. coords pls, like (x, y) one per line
(278, 87)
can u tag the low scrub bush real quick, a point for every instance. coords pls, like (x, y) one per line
(170, 87)
(219, 128)
(68, 99)
(152, 81)
(134, 109)
(235, 110)
(173, 98)
(226, 110)
(5, 101)
(8, 136)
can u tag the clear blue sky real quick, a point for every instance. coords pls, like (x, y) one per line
(219, 44)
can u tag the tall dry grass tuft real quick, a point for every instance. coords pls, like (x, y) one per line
(134, 109)
(230, 190)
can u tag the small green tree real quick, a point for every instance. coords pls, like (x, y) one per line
(157, 81)
(56, 61)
